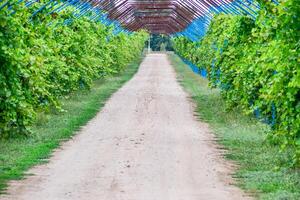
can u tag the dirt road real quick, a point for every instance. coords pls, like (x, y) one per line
(145, 144)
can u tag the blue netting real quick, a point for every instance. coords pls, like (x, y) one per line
(81, 9)
(271, 120)
(198, 27)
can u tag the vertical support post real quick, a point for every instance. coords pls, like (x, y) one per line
(149, 46)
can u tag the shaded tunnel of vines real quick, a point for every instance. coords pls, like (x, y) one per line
(248, 49)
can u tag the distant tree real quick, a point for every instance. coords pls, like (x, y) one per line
(161, 42)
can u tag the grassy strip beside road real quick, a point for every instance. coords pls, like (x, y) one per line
(19, 154)
(245, 140)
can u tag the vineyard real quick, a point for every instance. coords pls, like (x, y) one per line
(103, 90)
(256, 65)
(43, 60)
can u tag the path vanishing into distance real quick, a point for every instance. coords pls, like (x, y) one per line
(145, 144)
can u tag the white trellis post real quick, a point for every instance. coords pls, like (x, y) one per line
(149, 46)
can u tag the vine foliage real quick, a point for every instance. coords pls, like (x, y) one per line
(43, 60)
(256, 64)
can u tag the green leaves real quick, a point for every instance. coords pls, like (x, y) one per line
(40, 63)
(258, 63)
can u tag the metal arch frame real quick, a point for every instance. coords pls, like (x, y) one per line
(188, 18)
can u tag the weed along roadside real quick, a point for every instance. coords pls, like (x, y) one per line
(56, 72)
(19, 154)
(263, 169)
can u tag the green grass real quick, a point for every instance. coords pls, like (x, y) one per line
(19, 154)
(245, 140)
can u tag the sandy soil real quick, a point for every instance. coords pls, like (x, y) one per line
(145, 144)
